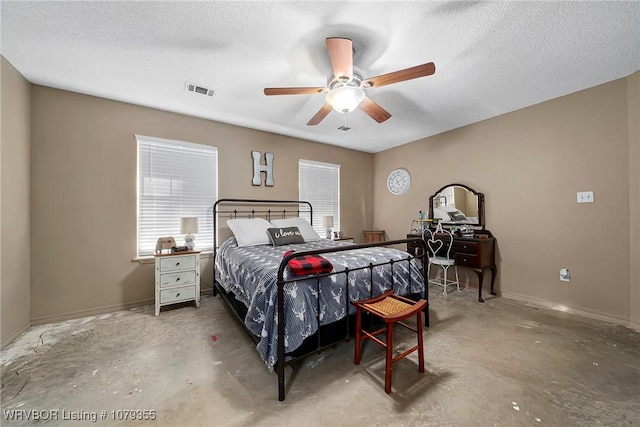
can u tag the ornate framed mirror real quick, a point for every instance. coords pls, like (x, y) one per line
(457, 204)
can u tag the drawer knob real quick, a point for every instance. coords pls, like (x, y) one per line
(177, 279)
(177, 264)
(178, 294)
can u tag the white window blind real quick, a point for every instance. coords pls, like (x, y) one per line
(319, 184)
(175, 179)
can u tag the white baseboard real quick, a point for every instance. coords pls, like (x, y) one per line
(559, 307)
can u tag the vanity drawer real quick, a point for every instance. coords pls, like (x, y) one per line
(176, 263)
(465, 246)
(179, 278)
(177, 294)
(467, 260)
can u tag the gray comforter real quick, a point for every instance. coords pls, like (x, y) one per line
(250, 273)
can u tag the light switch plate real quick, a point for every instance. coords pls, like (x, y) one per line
(585, 196)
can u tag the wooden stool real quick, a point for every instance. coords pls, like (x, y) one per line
(392, 309)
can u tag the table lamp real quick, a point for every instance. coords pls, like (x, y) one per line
(327, 223)
(189, 226)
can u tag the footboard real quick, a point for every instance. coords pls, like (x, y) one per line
(349, 274)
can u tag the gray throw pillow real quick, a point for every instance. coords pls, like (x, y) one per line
(285, 235)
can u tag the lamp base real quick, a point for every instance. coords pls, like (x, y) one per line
(189, 242)
(328, 234)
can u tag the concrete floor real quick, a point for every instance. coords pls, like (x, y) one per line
(499, 363)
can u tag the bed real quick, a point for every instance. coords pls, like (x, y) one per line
(290, 316)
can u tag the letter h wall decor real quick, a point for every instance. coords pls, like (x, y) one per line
(258, 168)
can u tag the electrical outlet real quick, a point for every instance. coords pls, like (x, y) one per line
(564, 275)
(585, 196)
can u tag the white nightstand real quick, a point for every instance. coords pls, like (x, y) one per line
(177, 278)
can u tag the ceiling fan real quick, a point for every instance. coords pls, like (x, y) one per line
(345, 89)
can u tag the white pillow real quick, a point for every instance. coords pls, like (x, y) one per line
(250, 231)
(308, 233)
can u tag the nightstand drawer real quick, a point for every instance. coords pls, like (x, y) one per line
(175, 263)
(178, 294)
(179, 278)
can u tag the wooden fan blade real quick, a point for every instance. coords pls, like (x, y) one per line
(320, 115)
(375, 111)
(402, 75)
(292, 90)
(341, 56)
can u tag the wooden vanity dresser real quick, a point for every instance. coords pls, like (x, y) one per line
(475, 253)
(459, 206)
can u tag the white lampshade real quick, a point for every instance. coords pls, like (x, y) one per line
(345, 99)
(327, 221)
(189, 225)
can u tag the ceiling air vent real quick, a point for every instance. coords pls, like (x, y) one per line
(191, 87)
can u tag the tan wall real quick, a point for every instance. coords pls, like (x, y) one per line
(530, 164)
(634, 195)
(84, 194)
(15, 126)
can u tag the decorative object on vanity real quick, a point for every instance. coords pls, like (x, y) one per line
(177, 278)
(327, 223)
(189, 227)
(164, 244)
(398, 181)
(467, 231)
(418, 226)
(346, 88)
(258, 168)
(457, 204)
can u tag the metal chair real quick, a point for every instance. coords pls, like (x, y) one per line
(391, 309)
(440, 247)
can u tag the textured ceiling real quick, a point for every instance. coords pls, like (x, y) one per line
(491, 57)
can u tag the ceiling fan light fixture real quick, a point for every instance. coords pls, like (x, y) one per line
(345, 99)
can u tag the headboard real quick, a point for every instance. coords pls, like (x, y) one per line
(225, 209)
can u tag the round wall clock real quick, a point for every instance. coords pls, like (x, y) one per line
(398, 181)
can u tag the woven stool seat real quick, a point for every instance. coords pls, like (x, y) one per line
(388, 307)
(391, 309)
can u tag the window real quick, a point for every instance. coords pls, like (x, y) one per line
(319, 184)
(175, 179)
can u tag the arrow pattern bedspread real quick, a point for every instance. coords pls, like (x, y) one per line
(250, 273)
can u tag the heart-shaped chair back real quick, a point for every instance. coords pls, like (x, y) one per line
(434, 245)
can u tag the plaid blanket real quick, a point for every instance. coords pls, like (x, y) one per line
(308, 264)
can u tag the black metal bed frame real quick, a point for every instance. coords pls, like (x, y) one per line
(319, 344)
